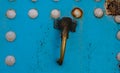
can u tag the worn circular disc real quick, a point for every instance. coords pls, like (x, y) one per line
(77, 13)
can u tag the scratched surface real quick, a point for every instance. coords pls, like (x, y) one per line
(91, 49)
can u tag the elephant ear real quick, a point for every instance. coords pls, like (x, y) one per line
(57, 23)
(73, 26)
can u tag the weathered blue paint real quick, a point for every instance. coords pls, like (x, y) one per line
(91, 49)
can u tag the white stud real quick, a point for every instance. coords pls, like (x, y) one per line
(34, 0)
(97, 0)
(56, 0)
(11, 13)
(98, 12)
(10, 60)
(117, 19)
(33, 13)
(55, 13)
(11, 0)
(10, 36)
(118, 35)
(118, 56)
(77, 0)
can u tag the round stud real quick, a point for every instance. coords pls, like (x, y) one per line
(118, 35)
(11, 13)
(77, 0)
(77, 12)
(118, 56)
(34, 0)
(11, 0)
(33, 13)
(117, 19)
(55, 0)
(10, 60)
(10, 36)
(97, 0)
(98, 12)
(55, 13)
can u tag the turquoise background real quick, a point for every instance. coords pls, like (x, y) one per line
(91, 49)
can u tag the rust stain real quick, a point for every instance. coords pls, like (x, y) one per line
(112, 7)
(77, 10)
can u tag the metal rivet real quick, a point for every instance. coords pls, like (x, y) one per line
(10, 36)
(117, 19)
(34, 0)
(98, 12)
(10, 60)
(33, 13)
(97, 0)
(77, 0)
(55, 13)
(11, 13)
(56, 0)
(77, 12)
(12, 0)
(118, 56)
(118, 35)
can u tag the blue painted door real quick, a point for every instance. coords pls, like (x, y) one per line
(91, 49)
